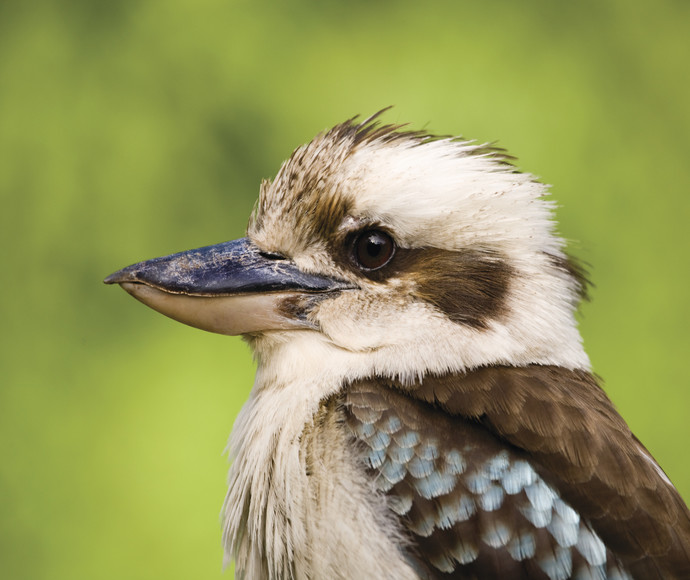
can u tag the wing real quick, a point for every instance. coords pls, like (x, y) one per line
(519, 473)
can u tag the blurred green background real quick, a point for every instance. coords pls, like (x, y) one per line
(133, 129)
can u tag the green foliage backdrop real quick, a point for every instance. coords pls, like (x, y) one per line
(133, 129)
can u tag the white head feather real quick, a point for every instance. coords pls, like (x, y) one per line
(435, 197)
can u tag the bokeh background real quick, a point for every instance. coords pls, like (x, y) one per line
(133, 129)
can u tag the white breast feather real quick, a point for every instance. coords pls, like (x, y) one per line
(273, 519)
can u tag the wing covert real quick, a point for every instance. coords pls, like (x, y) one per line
(474, 505)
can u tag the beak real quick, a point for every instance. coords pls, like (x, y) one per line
(230, 288)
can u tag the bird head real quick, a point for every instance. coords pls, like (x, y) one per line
(402, 252)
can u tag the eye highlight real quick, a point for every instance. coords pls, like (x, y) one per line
(372, 249)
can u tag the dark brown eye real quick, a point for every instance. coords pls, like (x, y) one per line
(373, 249)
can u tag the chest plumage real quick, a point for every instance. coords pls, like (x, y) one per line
(423, 406)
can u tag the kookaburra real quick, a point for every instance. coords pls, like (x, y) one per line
(423, 406)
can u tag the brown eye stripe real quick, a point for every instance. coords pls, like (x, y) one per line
(468, 286)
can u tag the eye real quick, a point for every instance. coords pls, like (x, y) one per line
(373, 249)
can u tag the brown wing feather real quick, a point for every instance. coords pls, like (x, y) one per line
(564, 425)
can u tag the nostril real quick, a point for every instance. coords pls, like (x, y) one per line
(272, 256)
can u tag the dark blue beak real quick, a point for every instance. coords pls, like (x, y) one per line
(236, 267)
(231, 288)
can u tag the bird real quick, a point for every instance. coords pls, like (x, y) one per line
(423, 406)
